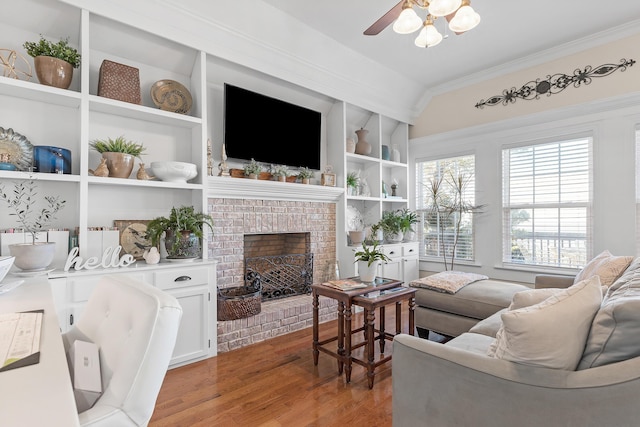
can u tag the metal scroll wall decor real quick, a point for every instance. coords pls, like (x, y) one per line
(556, 83)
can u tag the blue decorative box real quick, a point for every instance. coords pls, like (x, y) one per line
(50, 159)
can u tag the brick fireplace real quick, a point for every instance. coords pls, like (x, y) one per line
(282, 212)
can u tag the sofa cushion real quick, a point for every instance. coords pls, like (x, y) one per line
(531, 297)
(632, 273)
(478, 300)
(615, 329)
(476, 343)
(605, 265)
(552, 333)
(490, 325)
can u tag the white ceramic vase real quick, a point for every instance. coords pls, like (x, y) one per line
(367, 272)
(33, 256)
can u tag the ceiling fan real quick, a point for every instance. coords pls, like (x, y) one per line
(458, 13)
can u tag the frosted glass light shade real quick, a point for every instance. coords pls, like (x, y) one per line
(407, 22)
(466, 18)
(429, 36)
(443, 7)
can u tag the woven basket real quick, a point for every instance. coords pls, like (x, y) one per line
(119, 81)
(238, 302)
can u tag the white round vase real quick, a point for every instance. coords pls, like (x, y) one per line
(33, 256)
(367, 272)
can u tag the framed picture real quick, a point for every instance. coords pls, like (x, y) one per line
(133, 236)
(328, 179)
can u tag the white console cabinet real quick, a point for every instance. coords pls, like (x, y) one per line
(403, 262)
(194, 286)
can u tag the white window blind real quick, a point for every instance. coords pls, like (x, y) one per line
(637, 191)
(547, 193)
(437, 230)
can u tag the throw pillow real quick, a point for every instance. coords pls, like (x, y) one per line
(605, 265)
(552, 333)
(531, 297)
(615, 329)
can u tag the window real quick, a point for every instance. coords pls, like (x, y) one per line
(547, 194)
(446, 232)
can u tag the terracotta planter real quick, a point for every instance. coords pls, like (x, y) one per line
(120, 165)
(53, 71)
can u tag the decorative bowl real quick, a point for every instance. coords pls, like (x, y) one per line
(174, 171)
(5, 264)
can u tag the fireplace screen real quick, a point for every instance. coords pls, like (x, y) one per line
(280, 276)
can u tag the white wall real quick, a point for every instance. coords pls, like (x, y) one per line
(612, 123)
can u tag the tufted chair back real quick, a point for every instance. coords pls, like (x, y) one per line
(135, 326)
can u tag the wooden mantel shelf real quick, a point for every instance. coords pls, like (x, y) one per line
(245, 188)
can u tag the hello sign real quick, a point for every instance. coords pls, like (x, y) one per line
(110, 258)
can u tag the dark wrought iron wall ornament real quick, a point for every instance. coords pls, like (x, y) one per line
(555, 83)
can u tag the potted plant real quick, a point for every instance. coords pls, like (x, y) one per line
(183, 231)
(33, 219)
(280, 172)
(119, 153)
(368, 260)
(252, 169)
(353, 179)
(305, 174)
(54, 62)
(407, 219)
(392, 225)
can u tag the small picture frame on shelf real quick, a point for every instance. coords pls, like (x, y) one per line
(328, 178)
(133, 237)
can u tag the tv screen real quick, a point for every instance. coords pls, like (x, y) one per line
(270, 130)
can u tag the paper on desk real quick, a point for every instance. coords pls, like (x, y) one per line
(20, 339)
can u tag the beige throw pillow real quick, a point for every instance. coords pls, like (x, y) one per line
(605, 265)
(552, 333)
(531, 297)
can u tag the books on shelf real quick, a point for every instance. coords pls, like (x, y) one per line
(345, 284)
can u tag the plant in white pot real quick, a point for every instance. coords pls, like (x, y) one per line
(119, 153)
(368, 260)
(24, 204)
(280, 172)
(392, 225)
(183, 229)
(305, 174)
(54, 62)
(252, 169)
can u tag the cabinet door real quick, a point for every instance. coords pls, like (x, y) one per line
(59, 291)
(410, 269)
(192, 341)
(392, 269)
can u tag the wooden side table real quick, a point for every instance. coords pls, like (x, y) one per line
(344, 298)
(370, 303)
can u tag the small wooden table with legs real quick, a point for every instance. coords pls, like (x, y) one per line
(344, 298)
(370, 303)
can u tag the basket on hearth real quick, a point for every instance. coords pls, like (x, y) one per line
(240, 302)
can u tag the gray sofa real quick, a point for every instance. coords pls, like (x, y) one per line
(459, 384)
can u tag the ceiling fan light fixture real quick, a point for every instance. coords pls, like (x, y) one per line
(429, 35)
(465, 19)
(443, 7)
(408, 21)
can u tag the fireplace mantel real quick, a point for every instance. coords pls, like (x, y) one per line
(244, 188)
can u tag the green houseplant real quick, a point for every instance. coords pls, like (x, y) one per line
(54, 61)
(368, 260)
(34, 215)
(280, 172)
(407, 219)
(305, 174)
(183, 229)
(119, 153)
(252, 169)
(353, 178)
(391, 224)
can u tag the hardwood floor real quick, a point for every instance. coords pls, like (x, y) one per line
(275, 384)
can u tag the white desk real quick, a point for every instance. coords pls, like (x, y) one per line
(40, 394)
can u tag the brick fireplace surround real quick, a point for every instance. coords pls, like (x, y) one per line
(234, 216)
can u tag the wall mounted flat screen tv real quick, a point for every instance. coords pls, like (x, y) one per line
(270, 130)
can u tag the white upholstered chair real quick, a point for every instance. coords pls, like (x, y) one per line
(135, 326)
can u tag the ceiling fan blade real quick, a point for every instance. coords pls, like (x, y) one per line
(384, 20)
